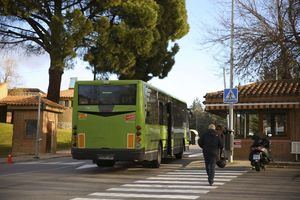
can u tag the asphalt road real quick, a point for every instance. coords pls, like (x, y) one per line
(67, 179)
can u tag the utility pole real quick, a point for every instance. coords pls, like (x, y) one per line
(230, 159)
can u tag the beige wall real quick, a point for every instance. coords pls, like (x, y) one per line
(26, 145)
(3, 90)
(65, 119)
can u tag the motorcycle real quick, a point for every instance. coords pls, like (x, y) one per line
(260, 153)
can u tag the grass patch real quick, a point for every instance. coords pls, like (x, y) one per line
(5, 139)
(63, 139)
(6, 130)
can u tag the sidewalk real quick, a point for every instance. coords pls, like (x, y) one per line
(24, 158)
(67, 153)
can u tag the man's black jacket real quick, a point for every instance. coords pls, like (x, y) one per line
(211, 143)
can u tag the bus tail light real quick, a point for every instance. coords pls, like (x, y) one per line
(81, 140)
(138, 136)
(130, 140)
(74, 136)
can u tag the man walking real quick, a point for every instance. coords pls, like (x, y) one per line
(210, 143)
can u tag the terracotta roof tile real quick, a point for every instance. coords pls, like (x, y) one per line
(269, 88)
(24, 91)
(27, 101)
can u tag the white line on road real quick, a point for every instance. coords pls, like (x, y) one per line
(203, 170)
(154, 196)
(87, 166)
(72, 163)
(178, 182)
(194, 176)
(170, 186)
(172, 191)
(203, 173)
(92, 199)
(28, 163)
(187, 179)
(195, 155)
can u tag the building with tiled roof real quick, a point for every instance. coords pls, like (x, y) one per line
(22, 107)
(259, 95)
(263, 108)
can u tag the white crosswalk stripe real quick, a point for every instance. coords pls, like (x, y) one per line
(177, 184)
(146, 196)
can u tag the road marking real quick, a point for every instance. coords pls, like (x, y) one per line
(28, 163)
(49, 163)
(172, 191)
(194, 176)
(93, 199)
(72, 163)
(154, 196)
(187, 179)
(195, 155)
(217, 171)
(171, 186)
(203, 173)
(179, 182)
(87, 166)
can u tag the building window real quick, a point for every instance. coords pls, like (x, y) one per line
(31, 126)
(274, 124)
(246, 124)
(67, 105)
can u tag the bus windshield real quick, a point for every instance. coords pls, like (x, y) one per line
(107, 94)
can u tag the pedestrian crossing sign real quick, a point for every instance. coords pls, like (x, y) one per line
(230, 95)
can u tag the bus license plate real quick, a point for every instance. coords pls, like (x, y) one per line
(256, 156)
(105, 157)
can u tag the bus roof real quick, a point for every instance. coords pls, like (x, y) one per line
(104, 82)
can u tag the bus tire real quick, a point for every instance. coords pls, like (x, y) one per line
(179, 155)
(156, 163)
(105, 163)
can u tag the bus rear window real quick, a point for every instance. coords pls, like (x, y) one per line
(107, 94)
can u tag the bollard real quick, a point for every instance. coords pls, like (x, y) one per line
(9, 159)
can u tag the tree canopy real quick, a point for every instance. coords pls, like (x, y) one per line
(200, 119)
(134, 38)
(266, 38)
(56, 27)
(128, 37)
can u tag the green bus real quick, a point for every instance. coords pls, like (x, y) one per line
(127, 120)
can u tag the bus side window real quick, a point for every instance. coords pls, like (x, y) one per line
(161, 113)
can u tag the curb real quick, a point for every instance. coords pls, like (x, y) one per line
(27, 158)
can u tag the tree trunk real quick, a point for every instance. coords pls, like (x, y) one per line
(54, 84)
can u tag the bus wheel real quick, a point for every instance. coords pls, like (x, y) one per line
(156, 163)
(105, 163)
(179, 155)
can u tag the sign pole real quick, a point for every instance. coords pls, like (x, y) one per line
(231, 83)
(37, 139)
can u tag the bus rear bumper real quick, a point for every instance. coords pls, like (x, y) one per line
(108, 154)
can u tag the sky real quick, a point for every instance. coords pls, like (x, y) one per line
(195, 73)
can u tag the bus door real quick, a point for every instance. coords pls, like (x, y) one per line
(170, 123)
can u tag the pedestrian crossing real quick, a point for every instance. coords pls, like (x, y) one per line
(177, 184)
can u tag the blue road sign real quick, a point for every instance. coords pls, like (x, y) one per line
(230, 95)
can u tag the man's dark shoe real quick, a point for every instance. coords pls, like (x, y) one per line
(211, 182)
